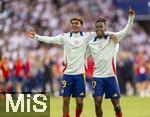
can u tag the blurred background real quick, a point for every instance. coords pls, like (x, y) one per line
(27, 65)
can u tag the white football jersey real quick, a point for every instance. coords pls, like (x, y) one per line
(75, 45)
(104, 51)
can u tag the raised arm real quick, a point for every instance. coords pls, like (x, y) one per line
(121, 34)
(55, 39)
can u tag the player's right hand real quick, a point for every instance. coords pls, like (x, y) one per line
(30, 34)
(131, 11)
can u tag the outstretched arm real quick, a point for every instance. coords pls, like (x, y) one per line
(56, 39)
(121, 34)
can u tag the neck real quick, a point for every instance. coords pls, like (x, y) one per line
(100, 36)
(76, 32)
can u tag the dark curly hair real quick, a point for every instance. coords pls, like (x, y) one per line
(101, 19)
(77, 18)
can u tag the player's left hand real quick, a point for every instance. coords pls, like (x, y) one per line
(131, 12)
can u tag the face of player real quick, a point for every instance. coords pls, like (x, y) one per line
(100, 29)
(76, 26)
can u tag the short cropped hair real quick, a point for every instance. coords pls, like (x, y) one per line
(101, 19)
(77, 18)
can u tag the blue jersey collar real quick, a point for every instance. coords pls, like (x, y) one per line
(105, 37)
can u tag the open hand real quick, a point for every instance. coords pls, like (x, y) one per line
(30, 34)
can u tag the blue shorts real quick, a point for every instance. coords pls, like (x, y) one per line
(141, 78)
(107, 86)
(73, 85)
(19, 79)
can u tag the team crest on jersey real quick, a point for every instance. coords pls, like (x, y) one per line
(99, 45)
(76, 42)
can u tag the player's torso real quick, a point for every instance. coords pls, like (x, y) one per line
(74, 52)
(103, 52)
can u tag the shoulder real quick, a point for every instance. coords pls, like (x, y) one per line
(92, 39)
(113, 38)
(63, 34)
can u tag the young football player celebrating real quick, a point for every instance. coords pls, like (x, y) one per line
(103, 48)
(73, 80)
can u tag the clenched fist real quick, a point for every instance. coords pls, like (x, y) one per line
(131, 12)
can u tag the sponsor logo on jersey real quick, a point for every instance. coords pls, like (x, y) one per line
(76, 42)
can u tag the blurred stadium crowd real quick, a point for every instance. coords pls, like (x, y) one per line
(27, 65)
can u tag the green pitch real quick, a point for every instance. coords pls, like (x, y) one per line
(131, 106)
